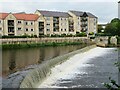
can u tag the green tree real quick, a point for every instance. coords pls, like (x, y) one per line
(113, 28)
(100, 28)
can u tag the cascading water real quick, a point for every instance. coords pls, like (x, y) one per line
(37, 75)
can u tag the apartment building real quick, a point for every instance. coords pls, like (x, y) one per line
(55, 22)
(84, 21)
(47, 23)
(18, 24)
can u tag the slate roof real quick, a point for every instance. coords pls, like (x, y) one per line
(91, 15)
(80, 13)
(54, 13)
(77, 13)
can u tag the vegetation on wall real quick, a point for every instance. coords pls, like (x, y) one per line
(28, 45)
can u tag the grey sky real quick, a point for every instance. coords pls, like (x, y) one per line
(105, 11)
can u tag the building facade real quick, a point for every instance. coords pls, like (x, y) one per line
(84, 22)
(18, 24)
(47, 23)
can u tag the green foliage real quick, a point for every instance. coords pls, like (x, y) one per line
(82, 34)
(28, 45)
(113, 85)
(103, 34)
(100, 28)
(91, 33)
(23, 36)
(118, 40)
(113, 28)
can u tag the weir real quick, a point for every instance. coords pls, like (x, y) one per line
(37, 75)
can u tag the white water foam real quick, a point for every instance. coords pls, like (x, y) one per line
(68, 69)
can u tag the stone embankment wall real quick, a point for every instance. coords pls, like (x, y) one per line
(106, 41)
(44, 40)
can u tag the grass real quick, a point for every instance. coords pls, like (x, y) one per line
(26, 45)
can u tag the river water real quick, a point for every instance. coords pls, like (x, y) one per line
(85, 70)
(14, 60)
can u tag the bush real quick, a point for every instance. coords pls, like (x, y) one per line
(63, 35)
(91, 33)
(55, 35)
(82, 34)
(103, 34)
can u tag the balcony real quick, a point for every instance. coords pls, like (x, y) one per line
(83, 19)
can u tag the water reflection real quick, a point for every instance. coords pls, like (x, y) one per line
(14, 60)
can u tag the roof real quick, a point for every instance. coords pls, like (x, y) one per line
(54, 13)
(91, 15)
(27, 17)
(21, 16)
(80, 13)
(3, 15)
(77, 13)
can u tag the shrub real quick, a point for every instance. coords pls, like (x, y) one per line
(82, 34)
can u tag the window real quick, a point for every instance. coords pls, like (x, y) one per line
(26, 23)
(19, 22)
(61, 29)
(26, 29)
(65, 29)
(0, 21)
(32, 30)
(31, 23)
(19, 28)
(48, 29)
(0, 29)
(48, 24)
(61, 18)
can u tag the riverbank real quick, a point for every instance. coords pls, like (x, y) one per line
(42, 42)
(30, 45)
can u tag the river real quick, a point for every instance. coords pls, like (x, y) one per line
(90, 69)
(85, 70)
(14, 60)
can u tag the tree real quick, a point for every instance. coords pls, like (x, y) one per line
(99, 28)
(113, 28)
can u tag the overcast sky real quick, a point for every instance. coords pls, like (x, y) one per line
(105, 10)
